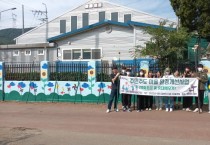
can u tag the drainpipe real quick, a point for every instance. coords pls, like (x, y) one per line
(134, 35)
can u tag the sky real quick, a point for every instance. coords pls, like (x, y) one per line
(13, 18)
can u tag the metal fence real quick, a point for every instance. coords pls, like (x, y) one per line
(62, 71)
(76, 71)
(104, 70)
(22, 71)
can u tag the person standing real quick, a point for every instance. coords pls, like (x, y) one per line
(140, 98)
(203, 79)
(169, 101)
(149, 99)
(187, 101)
(177, 100)
(158, 99)
(127, 97)
(209, 94)
(115, 89)
(123, 73)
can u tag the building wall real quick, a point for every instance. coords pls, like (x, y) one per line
(38, 34)
(121, 39)
(8, 56)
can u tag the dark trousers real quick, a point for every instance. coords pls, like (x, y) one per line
(148, 101)
(140, 102)
(179, 99)
(113, 96)
(126, 100)
(187, 102)
(201, 97)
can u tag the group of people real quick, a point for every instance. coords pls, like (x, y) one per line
(146, 102)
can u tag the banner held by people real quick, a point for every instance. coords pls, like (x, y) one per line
(159, 86)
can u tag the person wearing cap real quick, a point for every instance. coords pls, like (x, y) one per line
(169, 101)
(127, 97)
(203, 79)
(140, 98)
(187, 101)
(115, 90)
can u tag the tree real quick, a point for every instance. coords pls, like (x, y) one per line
(194, 15)
(166, 44)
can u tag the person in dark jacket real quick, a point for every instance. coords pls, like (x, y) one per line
(203, 79)
(115, 90)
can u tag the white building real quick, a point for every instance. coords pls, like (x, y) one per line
(93, 30)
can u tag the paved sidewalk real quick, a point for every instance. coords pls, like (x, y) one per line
(88, 124)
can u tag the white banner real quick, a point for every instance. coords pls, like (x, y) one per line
(159, 86)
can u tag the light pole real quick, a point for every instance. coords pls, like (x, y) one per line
(46, 33)
(6, 10)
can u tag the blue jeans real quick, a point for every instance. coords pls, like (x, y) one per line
(113, 96)
(158, 101)
(169, 102)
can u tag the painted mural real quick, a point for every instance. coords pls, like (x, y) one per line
(57, 91)
(62, 91)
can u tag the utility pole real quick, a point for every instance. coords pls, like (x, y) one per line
(23, 19)
(46, 22)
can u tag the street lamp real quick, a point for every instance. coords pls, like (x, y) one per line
(6, 10)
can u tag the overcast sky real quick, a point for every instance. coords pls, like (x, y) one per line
(55, 8)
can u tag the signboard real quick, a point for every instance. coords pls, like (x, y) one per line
(159, 86)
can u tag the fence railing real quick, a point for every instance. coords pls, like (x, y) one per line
(68, 71)
(104, 70)
(65, 71)
(22, 71)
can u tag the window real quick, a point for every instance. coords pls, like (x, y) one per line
(76, 53)
(114, 16)
(127, 17)
(73, 23)
(96, 53)
(40, 52)
(66, 54)
(28, 52)
(102, 16)
(85, 19)
(16, 53)
(86, 53)
(62, 26)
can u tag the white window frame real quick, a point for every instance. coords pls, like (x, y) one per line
(14, 54)
(40, 53)
(65, 48)
(27, 54)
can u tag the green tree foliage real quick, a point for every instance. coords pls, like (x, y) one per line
(166, 44)
(7, 35)
(194, 15)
